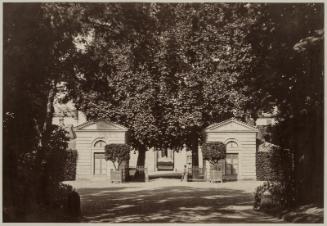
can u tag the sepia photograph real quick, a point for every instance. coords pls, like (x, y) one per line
(163, 112)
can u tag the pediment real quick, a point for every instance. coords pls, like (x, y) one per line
(231, 125)
(100, 125)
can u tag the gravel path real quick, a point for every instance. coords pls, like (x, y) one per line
(170, 201)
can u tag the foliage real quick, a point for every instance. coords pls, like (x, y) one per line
(214, 151)
(64, 206)
(166, 76)
(274, 165)
(287, 42)
(70, 165)
(282, 196)
(56, 155)
(280, 69)
(117, 153)
(38, 45)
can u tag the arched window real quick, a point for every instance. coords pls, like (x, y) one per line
(99, 144)
(231, 145)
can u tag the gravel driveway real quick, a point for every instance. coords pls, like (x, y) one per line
(169, 201)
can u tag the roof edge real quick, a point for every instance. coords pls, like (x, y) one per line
(215, 125)
(118, 126)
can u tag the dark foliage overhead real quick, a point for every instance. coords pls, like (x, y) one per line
(169, 74)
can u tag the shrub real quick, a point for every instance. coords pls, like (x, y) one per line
(64, 204)
(70, 165)
(274, 165)
(282, 196)
(117, 153)
(73, 206)
(35, 177)
(214, 151)
(55, 155)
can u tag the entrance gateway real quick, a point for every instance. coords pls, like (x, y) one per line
(240, 140)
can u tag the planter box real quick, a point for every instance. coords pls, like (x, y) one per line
(216, 175)
(117, 176)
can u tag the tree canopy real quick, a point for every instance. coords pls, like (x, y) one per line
(165, 71)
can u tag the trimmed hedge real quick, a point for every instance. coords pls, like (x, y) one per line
(66, 206)
(117, 153)
(70, 165)
(214, 151)
(274, 165)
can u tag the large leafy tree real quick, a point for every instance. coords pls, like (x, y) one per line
(287, 40)
(38, 44)
(163, 70)
(213, 53)
(115, 79)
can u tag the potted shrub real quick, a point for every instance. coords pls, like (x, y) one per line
(214, 152)
(117, 154)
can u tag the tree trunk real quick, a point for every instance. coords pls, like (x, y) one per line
(313, 181)
(309, 160)
(300, 159)
(195, 151)
(48, 117)
(141, 156)
(42, 138)
(195, 157)
(140, 173)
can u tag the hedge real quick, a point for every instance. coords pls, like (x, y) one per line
(70, 165)
(64, 206)
(274, 165)
(282, 196)
(117, 153)
(214, 151)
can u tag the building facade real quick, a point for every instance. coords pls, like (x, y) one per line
(90, 138)
(240, 140)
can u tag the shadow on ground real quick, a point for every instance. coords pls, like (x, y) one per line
(170, 204)
(310, 213)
